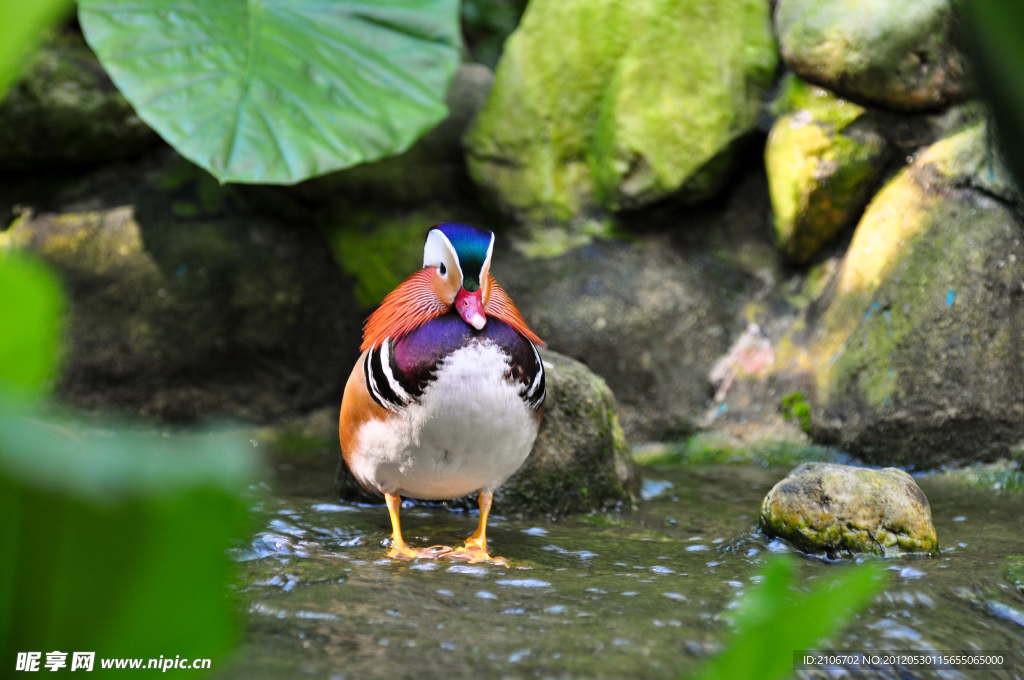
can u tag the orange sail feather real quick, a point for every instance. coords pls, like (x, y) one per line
(499, 305)
(406, 308)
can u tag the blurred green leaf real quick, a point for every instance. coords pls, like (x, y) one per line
(774, 620)
(115, 540)
(31, 311)
(993, 29)
(22, 23)
(277, 91)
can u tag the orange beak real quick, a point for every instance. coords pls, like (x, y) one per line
(471, 308)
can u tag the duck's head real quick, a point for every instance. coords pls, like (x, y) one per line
(460, 256)
(455, 275)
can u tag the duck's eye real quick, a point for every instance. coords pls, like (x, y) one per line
(443, 270)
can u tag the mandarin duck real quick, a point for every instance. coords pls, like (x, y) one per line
(448, 393)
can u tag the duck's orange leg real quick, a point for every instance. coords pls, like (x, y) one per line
(399, 548)
(476, 545)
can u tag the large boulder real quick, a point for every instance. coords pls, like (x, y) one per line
(823, 157)
(66, 111)
(612, 104)
(902, 55)
(842, 510)
(916, 347)
(580, 461)
(652, 315)
(185, 306)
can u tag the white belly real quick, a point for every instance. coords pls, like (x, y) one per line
(469, 432)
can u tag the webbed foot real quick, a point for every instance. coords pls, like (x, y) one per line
(404, 552)
(475, 550)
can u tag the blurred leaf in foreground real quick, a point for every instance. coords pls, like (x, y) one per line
(22, 23)
(774, 620)
(31, 311)
(115, 540)
(994, 30)
(277, 91)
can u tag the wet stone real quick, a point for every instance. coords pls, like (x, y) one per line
(841, 510)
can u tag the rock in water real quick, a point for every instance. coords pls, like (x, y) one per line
(841, 510)
(897, 54)
(823, 158)
(580, 461)
(619, 104)
(915, 348)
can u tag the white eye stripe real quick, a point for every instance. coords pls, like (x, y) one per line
(438, 250)
(487, 260)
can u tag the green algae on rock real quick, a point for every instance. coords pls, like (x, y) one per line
(580, 461)
(844, 510)
(65, 111)
(896, 54)
(604, 104)
(823, 158)
(915, 349)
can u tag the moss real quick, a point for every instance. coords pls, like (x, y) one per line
(795, 407)
(1004, 474)
(1015, 569)
(379, 252)
(897, 275)
(819, 175)
(613, 103)
(706, 448)
(65, 111)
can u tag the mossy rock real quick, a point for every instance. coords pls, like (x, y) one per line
(66, 111)
(605, 104)
(184, 306)
(915, 347)
(823, 158)
(579, 462)
(896, 54)
(840, 510)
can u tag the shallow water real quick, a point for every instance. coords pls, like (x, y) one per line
(643, 593)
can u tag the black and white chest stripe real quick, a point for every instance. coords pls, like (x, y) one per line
(381, 382)
(537, 391)
(391, 389)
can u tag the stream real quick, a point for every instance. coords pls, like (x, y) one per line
(643, 593)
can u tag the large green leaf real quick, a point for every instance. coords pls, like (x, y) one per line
(115, 539)
(31, 311)
(774, 621)
(277, 91)
(994, 29)
(22, 23)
